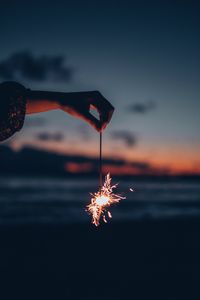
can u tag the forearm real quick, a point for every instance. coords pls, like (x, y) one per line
(77, 104)
(16, 100)
(41, 101)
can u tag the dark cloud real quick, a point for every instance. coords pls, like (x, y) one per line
(141, 108)
(45, 136)
(127, 137)
(141, 165)
(25, 162)
(24, 65)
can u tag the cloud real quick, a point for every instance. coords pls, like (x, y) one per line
(141, 108)
(45, 136)
(127, 137)
(24, 65)
(25, 162)
(141, 165)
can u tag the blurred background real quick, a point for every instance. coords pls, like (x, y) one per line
(143, 56)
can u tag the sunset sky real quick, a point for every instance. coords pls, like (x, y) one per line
(143, 56)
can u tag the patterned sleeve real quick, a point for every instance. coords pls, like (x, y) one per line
(12, 108)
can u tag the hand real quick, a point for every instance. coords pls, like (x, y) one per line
(79, 105)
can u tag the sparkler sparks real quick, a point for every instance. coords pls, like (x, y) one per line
(102, 200)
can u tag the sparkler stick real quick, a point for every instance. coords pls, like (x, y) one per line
(105, 197)
(100, 162)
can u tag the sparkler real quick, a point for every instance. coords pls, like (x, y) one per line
(104, 198)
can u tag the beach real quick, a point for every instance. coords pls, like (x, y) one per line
(150, 249)
(99, 125)
(151, 259)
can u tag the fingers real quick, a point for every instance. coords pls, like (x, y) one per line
(105, 117)
(104, 108)
(100, 124)
(80, 108)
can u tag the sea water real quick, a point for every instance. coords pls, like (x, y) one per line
(56, 200)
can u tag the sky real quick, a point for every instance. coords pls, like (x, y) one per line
(143, 56)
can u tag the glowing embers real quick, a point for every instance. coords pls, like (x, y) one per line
(102, 200)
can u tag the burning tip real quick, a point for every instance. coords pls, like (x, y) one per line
(101, 200)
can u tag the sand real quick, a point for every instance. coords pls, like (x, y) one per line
(137, 260)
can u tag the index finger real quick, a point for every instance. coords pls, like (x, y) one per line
(104, 108)
(105, 117)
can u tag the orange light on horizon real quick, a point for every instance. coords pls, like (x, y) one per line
(162, 159)
(73, 167)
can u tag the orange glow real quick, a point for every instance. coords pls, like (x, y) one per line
(126, 169)
(73, 167)
(167, 158)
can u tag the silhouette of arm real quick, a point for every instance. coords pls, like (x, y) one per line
(16, 101)
(77, 104)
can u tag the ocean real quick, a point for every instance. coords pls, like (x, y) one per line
(56, 200)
